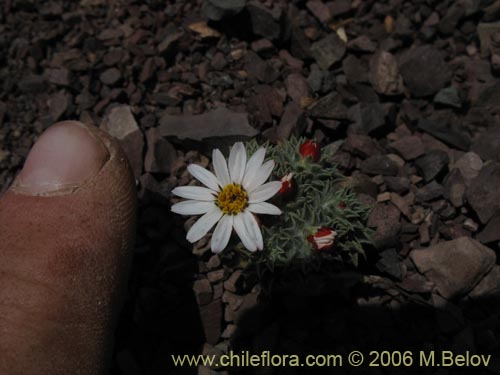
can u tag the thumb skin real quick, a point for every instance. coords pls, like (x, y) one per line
(67, 228)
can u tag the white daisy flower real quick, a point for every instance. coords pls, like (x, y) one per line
(230, 199)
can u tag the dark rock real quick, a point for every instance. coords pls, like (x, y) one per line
(203, 291)
(362, 43)
(469, 165)
(455, 188)
(390, 264)
(297, 87)
(489, 286)
(450, 20)
(384, 74)
(168, 43)
(59, 76)
(448, 134)
(300, 46)
(369, 118)
(384, 218)
(491, 232)
(454, 266)
(259, 69)
(432, 164)
(218, 127)
(121, 124)
(211, 317)
(216, 10)
(448, 96)
(292, 122)
(265, 21)
(429, 192)
(319, 10)
(262, 46)
(160, 155)
(398, 185)
(379, 164)
(424, 71)
(485, 31)
(416, 283)
(361, 145)
(328, 50)
(330, 106)
(234, 283)
(356, 70)
(487, 145)
(483, 193)
(33, 84)
(409, 147)
(58, 104)
(110, 76)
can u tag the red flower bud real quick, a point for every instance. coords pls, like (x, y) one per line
(323, 239)
(342, 205)
(288, 186)
(311, 149)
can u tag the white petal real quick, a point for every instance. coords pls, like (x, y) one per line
(264, 208)
(222, 233)
(203, 175)
(204, 224)
(253, 166)
(192, 207)
(220, 167)
(237, 162)
(264, 192)
(242, 231)
(253, 229)
(261, 176)
(198, 193)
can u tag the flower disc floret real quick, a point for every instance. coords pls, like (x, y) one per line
(232, 199)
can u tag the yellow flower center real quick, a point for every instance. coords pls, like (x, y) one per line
(232, 199)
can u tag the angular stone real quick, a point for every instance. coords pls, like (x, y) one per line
(384, 218)
(379, 164)
(487, 145)
(121, 124)
(483, 193)
(469, 165)
(454, 266)
(409, 147)
(110, 76)
(449, 22)
(455, 188)
(330, 107)
(362, 43)
(265, 21)
(491, 232)
(489, 286)
(292, 122)
(361, 145)
(369, 118)
(384, 74)
(216, 10)
(258, 68)
(216, 127)
(211, 317)
(328, 51)
(319, 10)
(58, 104)
(160, 155)
(203, 291)
(429, 192)
(168, 43)
(390, 263)
(398, 185)
(297, 87)
(450, 135)
(485, 31)
(424, 71)
(235, 282)
(58, 76)
(432, 164)
(448, 96)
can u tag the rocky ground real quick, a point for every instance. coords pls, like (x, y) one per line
(411, 88)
